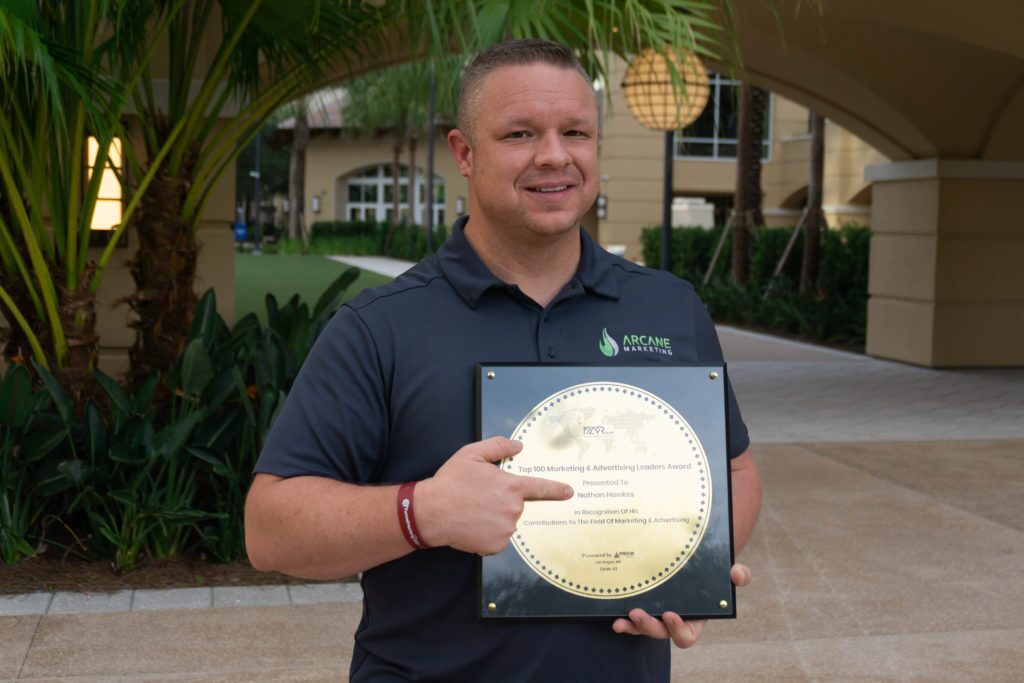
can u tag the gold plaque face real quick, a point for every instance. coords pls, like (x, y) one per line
(641, 482)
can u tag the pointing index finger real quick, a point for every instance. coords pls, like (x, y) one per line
(536, 488)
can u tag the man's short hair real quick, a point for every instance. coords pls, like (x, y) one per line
(519, 52)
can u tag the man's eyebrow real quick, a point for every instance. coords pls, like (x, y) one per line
(528, 122)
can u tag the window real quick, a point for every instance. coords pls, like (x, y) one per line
(370, 196)
(107, 215)
(713, 134)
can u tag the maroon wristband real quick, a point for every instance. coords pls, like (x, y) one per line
(406, 518)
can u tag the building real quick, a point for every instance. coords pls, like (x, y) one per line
(348, 173)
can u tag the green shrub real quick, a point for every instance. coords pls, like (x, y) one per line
(836, 311)
(163, 471)
(364, 238)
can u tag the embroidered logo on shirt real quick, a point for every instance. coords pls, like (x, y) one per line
(643, 343)
(607, 344)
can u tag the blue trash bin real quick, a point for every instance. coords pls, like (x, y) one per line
(241, 231)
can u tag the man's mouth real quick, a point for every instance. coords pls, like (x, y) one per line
(548, 188)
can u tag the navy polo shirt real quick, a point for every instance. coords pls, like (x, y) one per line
(387, 395)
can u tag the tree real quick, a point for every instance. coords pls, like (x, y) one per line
(70, 67)
(741, 201)
(814, 216)
(395, 101)
(56, 95)
(297, 174)
(758, 119)
(269, 53)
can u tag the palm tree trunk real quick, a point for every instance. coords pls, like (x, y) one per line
(413, 213)
(76, 309)
(754, 193)
(813, 226)
(78, 319)
(297, 174)
(396, 180)
(396, 186)
(164, 269)
(740, 234)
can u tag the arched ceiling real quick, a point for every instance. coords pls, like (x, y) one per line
(915, 78)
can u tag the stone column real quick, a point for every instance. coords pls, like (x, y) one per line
(946, 277)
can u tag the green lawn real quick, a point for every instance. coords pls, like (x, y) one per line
(283, 276)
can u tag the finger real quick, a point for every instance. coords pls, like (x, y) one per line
(683, 633)
(648, 625)
(494, 449)
(741, 574)
(625, 626)
(536, 488)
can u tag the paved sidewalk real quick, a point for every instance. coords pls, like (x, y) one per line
(882, 561)
(794, 392)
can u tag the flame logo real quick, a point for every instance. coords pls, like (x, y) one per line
(607, 345)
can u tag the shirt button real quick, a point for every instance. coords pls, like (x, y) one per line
(551, 352)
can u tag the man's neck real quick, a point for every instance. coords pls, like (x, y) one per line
(539, 269)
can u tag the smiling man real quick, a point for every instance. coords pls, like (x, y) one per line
(371, 466)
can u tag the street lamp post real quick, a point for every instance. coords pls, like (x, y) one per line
(255, 175)
(656, 102)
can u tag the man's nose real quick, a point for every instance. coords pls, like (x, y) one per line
(551, 152)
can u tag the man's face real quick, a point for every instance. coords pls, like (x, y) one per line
(532, 159)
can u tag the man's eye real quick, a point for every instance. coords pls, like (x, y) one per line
(575, 134)
(517, 134)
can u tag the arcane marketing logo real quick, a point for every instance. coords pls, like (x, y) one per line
(607, 344)
(642, 343)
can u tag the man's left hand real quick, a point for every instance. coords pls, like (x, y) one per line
(671, 625)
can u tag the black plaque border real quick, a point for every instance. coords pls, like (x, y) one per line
(593, 374)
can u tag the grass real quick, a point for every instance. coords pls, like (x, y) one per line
(284, 276)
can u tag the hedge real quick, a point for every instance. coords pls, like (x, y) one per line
(834, 312)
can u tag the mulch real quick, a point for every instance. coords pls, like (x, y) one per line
(54, 573)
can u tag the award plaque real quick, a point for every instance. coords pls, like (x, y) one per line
(649, 525)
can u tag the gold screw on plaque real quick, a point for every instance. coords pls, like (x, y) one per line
(491, 607)
(714, 375)
(490, 375)
(722, 604)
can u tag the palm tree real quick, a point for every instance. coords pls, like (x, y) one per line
(396, 100)
(69, 67)
(270, 52)
(740, 270)
(748, 199)
(814, 216)
(297, 173)
(56, 95)
(758, 118)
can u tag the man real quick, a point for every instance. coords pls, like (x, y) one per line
(386, 397)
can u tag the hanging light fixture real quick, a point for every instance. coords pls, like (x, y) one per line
(657, 103)
(652, 96)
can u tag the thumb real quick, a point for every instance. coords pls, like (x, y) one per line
(494, 449)
(740, 574)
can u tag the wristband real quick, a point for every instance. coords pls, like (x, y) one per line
(406, 518)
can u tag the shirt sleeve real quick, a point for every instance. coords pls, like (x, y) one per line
(709, 350)
(334, 422)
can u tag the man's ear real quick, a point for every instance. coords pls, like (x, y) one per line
(462, 150)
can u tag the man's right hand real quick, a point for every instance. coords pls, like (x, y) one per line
(473, 506)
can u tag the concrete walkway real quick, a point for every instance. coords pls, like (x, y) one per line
(381, 265)
(890, 547)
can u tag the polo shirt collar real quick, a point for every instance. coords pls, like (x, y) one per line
(471, 278)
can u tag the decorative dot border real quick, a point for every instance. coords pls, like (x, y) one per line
(682, 557)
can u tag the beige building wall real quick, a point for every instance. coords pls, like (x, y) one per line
(332, 159)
